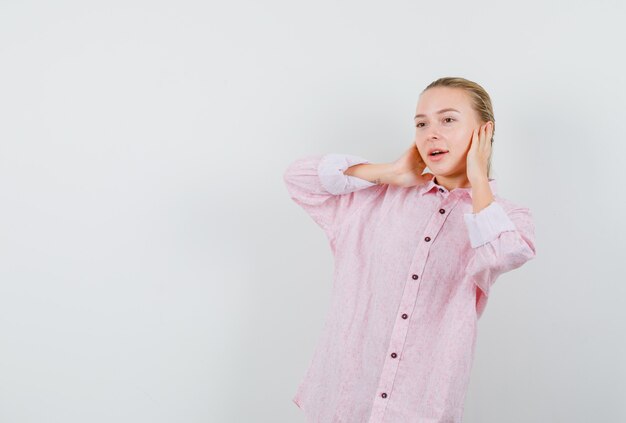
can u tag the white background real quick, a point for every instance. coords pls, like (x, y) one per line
(152, 265)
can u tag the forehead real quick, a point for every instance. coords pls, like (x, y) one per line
(435, 99)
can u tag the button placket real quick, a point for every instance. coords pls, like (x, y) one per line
(400, 329)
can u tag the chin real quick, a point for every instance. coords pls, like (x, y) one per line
(438, 169)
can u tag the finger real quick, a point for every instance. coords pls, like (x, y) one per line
(474, 141)
(483, 138)
(481, 134)
(488, 136)
(479, 138)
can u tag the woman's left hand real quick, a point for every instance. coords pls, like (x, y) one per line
(479, 152)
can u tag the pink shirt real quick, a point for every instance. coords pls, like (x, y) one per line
(413, 271)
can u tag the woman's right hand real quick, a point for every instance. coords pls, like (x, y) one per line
(409, 167)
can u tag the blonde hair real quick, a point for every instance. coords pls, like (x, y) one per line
(480, 101)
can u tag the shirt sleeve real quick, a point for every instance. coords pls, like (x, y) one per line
(318, 185)
(500, 242)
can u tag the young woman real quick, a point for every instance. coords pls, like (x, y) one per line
(416, 255)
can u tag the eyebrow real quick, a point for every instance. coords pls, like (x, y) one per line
(449, 109)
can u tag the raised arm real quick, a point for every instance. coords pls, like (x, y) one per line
(319, 185)
(501, 241)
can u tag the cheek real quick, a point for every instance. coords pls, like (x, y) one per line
(464, 141)
(460, 153)
(460, 146)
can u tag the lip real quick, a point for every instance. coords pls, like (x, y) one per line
(438, 157)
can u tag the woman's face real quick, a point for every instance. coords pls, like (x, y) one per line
(450, 131)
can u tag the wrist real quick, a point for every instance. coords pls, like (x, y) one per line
(478, 180)
(390, 172)
(377, 173)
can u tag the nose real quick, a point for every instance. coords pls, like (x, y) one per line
(432, 136)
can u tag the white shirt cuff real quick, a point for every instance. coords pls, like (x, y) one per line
(487, 224)
(330, 170)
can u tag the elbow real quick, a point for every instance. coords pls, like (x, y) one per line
(528, 247)
(521, 255)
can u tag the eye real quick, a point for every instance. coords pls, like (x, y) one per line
(422, 123)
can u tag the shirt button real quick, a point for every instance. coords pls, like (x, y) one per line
(404, 316)
(394, 355)
(414, 276)
(442, 211)
(427, 239)
(384, 395)
(440, 189)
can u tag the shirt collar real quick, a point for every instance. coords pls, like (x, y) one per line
(432, 186)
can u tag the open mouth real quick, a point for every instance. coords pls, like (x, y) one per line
(438, 153)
